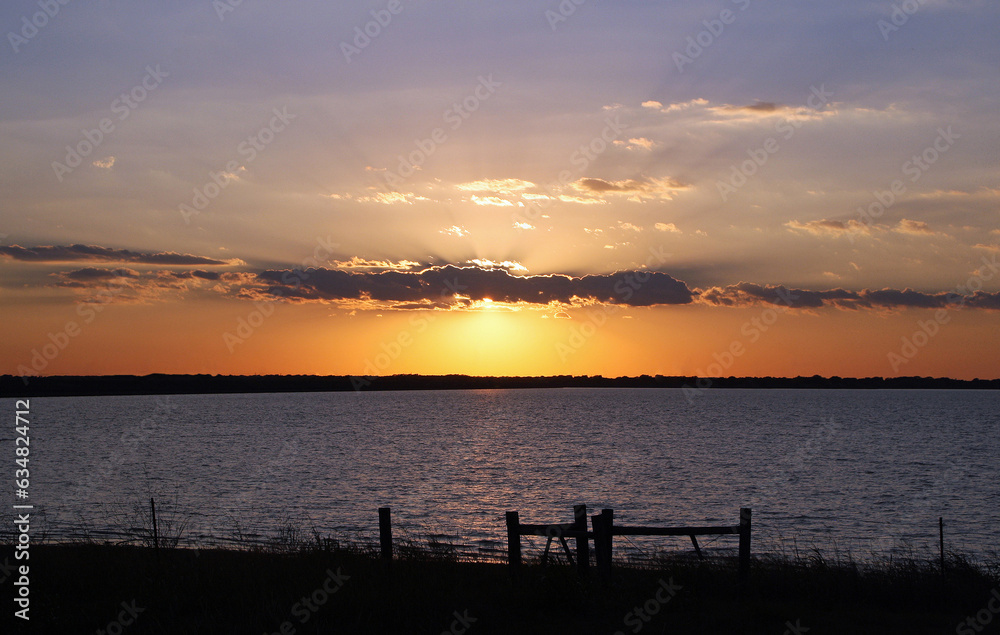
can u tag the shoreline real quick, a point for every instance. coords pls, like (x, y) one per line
(168, 384)
(327, 587)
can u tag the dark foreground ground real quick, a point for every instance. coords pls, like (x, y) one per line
(119, 589)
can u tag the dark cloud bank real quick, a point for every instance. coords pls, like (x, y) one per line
(437, 285)
(93, 253)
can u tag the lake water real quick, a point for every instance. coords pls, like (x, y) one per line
(859, 471)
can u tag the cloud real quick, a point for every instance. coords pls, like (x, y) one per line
(92, 274)
(636, 143)
(198, 273)
(663, 188)
(93, 253)
(675, 107)
(454, 230)
(728, 113)
(746, 294)
(856, 227)
(387, 285)
(916, 228)
(107, 163)
(830, 227)
(128, 286)
(510, 265)
(499, 186)
(361, 263)
(523, 225)
(580, 200)
(701, 111)
(495, 201)
(762, 106)
(667, 227)
(390, 198)
(460, 285)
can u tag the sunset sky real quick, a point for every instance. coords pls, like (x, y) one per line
(693, 188)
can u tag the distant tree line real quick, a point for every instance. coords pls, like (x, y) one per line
(160, 384)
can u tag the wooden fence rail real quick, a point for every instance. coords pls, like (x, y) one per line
(604, 531)
(551, 531)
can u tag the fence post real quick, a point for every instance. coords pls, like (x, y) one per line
(156, 531)
(941, 542)
(582, 543)
(603, 524)
(597, 522)
(514, 543)
(745, 513)
(385, 532)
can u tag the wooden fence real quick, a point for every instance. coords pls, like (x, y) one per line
(604, 530)
(602, 534)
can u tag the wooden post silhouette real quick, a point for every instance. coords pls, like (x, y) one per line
(513, 543)
(941, 539)
(582, 543)
(385, 532)
(156, 531)
(745, 514)
(603, 524)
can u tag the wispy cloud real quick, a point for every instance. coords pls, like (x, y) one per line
(667, 227)
(635, 189)
(93, 253)
(499, 186)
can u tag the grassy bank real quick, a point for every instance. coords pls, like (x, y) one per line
(330, 589)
